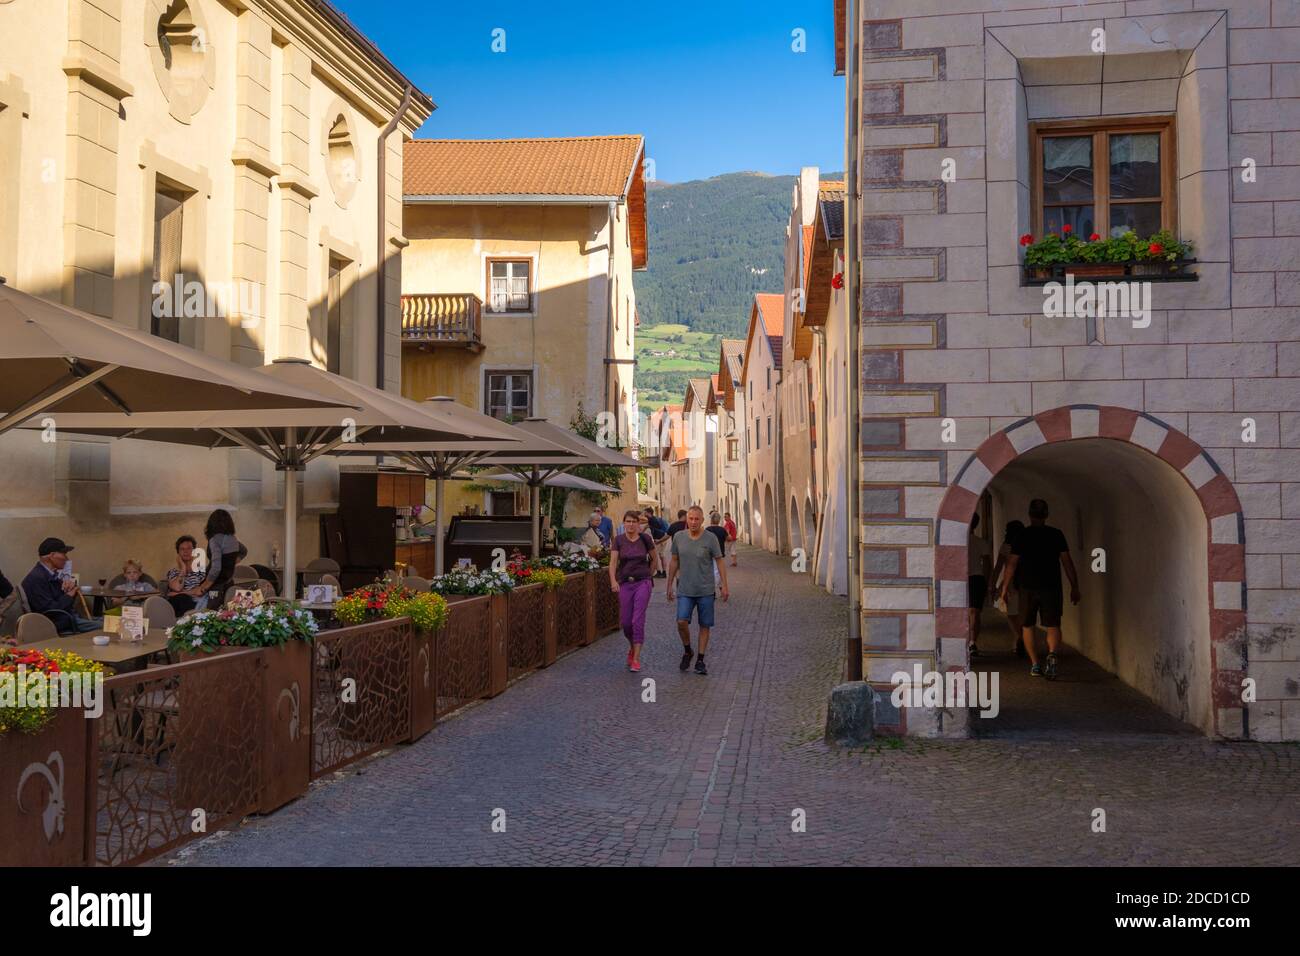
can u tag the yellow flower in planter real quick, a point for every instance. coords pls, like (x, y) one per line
(551, 577)
(427, 611)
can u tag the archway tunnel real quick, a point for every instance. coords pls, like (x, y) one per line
(1137, 656)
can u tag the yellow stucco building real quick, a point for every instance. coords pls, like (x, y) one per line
(233, 143)
(517, 285)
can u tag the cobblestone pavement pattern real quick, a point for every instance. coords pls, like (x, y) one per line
(714, 770)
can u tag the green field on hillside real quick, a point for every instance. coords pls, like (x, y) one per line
(661, 379)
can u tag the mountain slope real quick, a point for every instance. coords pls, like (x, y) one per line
(713, 244)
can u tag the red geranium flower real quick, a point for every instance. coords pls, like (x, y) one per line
(1026, 239)
(1067, 228)
(837, 281)
(1155, 249)
(1094, 237)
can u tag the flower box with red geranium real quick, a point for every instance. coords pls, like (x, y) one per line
(1057, 255)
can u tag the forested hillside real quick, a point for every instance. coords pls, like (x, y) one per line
(713, 244)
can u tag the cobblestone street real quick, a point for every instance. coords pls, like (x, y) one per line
(713, 771)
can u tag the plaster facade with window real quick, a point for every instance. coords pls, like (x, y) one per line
(799, 436)
(733, 441)
(220, 155)
(517, 289)
(761, 383)
(1169, 440)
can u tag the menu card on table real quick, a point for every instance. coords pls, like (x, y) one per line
(133, 623)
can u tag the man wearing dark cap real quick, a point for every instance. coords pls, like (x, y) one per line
(49, 589)
(1039, 553)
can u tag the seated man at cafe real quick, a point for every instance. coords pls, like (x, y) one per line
(50, 589)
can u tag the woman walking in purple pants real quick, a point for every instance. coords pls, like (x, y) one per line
(633, 563)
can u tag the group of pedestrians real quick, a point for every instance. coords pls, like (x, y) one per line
(696, 573)
(1026, 579)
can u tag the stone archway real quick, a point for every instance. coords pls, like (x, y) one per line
(1223, 534)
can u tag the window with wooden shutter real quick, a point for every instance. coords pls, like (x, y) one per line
(168, 221)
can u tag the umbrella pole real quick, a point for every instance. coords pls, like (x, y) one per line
(289, 582)
(438, 556)
(535, 506)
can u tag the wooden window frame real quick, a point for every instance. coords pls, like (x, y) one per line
(487, 387)
(532, 279)
(1100, 129)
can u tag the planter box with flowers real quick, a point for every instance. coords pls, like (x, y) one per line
(284, 634)
(1159, 258)
(428, 613)
(576, 601)
(42, 759)
(532, 638)
(462, 587)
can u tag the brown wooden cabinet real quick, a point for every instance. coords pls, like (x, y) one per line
(397, 490)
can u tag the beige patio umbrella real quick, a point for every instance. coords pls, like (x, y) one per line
(440, 461)
(290, 438)
(56, 360)
(580, 451)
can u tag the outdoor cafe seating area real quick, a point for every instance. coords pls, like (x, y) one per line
(283, 676)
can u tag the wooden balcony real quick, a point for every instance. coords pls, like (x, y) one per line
(442, 320)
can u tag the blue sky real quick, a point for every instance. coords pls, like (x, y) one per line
(714, 85)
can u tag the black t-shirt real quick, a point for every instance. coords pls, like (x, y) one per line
(721, 534)
(1039, 548)
(675, 527)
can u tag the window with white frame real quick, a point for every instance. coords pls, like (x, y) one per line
(510, 285)
(508, 394)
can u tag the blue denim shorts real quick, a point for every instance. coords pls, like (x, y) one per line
(687, 604)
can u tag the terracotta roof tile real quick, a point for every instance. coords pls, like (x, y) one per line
(771, 306)
(573, 166)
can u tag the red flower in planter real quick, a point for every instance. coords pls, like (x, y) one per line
(837, 281)
(1094, 237)
(1026, 239)
(1155, 249)
(1067, 229)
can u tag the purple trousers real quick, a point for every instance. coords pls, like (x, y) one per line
(633, 599)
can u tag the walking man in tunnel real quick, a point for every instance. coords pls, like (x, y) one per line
(1038, 554)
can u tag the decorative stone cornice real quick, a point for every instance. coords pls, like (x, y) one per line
(375, 87)
(301, 186)
(255, 159)
(99, 75)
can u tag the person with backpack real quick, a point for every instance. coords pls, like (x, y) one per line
(633, 562)
(659, 532)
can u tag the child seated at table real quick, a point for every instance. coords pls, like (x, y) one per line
(132, 574)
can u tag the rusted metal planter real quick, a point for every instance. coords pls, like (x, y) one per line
(463, 653)
(286, 724)
(424, 698)
(551, 628)
(526, 629)
(43, 793)
(361, 691)
(575, 617)
(607, 607)
(176, 753)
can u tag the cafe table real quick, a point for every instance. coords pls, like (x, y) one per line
(101, 594)
(115, 653)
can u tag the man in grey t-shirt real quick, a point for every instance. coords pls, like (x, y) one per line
(695, 553)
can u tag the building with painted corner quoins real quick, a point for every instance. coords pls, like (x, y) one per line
(1166, 435)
